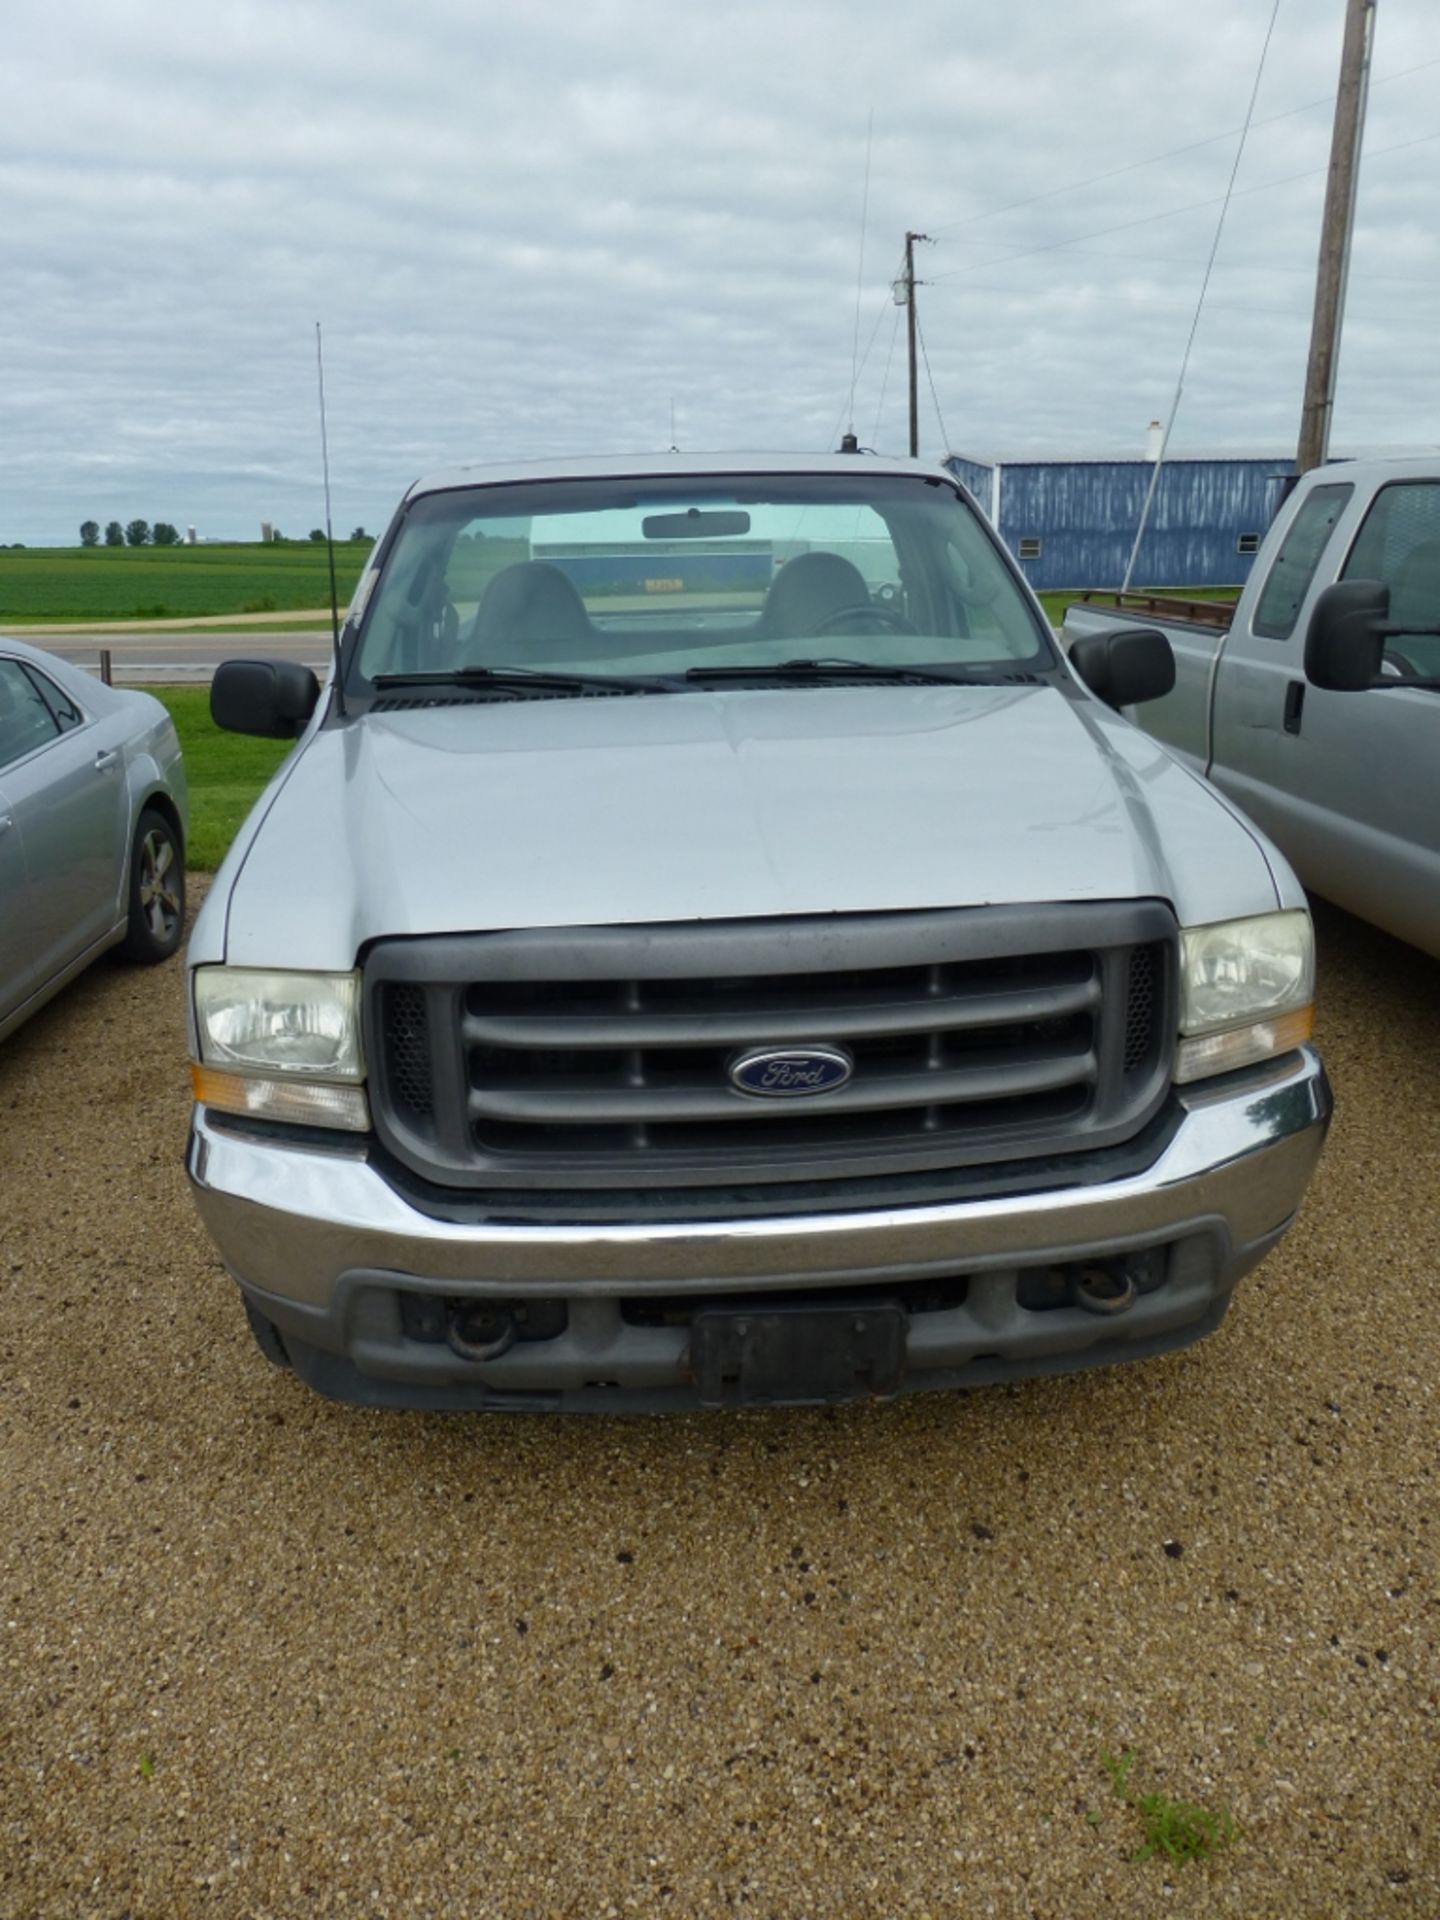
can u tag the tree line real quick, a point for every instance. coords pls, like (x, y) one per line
(140, 533)
(137, 533)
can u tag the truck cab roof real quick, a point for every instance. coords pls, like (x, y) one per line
(668, 466)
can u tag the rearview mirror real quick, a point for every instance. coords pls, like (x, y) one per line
(1346, 640)
(694, 523)
(274, 698)
(1126, 666)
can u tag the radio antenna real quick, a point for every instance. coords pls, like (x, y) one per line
(860, 276)
(329, 531)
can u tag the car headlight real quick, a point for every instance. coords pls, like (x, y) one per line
(1246, 991)
(281, 1046)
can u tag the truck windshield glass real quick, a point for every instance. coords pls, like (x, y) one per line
(655, 577)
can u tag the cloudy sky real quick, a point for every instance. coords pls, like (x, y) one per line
(530, 228)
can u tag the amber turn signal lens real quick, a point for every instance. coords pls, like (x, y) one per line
(1210, 1053)
(301, 1103)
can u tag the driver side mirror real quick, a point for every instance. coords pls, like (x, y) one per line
(1125, 667)
(272, 698)
(1346, 640)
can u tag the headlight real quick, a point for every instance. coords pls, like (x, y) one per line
(305, 1023)
(1246, 988)
(261, 1033)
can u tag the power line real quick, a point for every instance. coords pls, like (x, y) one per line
(920, 331)
(1226, 266)
(1126, 226)
(1170, 153)
(885, 379)
(1168, 213)
(864, 358)
(1136, 297)
(1200, 303)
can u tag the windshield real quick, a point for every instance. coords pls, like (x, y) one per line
(660, 579)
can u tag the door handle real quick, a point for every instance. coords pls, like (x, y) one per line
(1294, 705)
(5, 823)
(104, 761)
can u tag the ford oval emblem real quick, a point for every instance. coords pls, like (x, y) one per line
(787, 1073)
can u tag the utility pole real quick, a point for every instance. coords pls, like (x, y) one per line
(909, 285)
(1336, 229)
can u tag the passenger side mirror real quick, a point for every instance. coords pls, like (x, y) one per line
(1125, 667)
(274, 698)
(1346, 641)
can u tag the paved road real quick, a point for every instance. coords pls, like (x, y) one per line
(159, 656)
(317, 617)
(265, 1656)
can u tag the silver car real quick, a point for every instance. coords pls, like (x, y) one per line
(92, 827)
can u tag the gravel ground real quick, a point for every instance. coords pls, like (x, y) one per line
(264, 1656)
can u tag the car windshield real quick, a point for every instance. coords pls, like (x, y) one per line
(670, 581)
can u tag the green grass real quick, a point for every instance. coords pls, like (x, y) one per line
(226, 773)
(1176, 1828)
(41, 584)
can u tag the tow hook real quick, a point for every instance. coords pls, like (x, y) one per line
(1107, 1289)
(479, 1329)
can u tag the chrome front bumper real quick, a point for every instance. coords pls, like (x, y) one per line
(321, 1243)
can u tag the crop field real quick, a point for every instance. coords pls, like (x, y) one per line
(39, 584)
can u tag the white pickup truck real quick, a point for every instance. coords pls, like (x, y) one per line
(708, 947)
(1315, 702)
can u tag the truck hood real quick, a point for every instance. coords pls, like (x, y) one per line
(720, 805)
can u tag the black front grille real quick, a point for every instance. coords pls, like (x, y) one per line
(602, 1056)
(1142, 989)
(407, 1052)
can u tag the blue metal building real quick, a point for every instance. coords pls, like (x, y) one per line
(1071, 522)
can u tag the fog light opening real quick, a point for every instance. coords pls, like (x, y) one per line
(479, 1329)
(1108, 1289)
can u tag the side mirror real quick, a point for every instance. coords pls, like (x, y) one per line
(1346, 640)
(1125, 667)
(274, 698)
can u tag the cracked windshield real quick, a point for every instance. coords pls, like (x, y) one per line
(679, 581)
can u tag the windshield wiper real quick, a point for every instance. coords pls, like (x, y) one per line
(537, 677)
(854, 670)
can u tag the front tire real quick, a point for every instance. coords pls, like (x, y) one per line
(157, 891)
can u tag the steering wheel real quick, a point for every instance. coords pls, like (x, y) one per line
(843, 618)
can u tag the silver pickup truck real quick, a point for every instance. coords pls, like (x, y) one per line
(709, 947)
(1344, 600)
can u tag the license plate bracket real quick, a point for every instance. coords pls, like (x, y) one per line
(784, 1354)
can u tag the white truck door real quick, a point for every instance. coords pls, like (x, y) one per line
(1260, 688)
(1383, 747)
(1349, 784)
